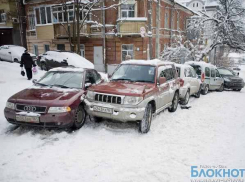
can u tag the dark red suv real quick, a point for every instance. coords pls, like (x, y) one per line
(54, 100)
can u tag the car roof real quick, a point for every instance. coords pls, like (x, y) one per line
(154, 62)
(70, 69)
(183, 65)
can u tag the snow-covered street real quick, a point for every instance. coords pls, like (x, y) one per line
(211, 132)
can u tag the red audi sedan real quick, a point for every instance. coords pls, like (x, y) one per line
(54, 100)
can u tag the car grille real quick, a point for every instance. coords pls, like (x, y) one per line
(28, 108)
(237, 82)
(108, 98)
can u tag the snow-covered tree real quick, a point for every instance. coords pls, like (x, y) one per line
(226, 25)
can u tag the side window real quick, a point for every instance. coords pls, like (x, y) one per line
(194, 75)
(90, 77)
(169, 74)
(213, 73)
(207, 72)
(217, 73)
(188, 72)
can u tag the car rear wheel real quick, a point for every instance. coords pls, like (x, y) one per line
(198, 94)
(186, 99)
(80, 116)
(205, 91)
(145, 123)
(44, 66)
(16, 60)
(221, 89)
(237, 90)
(175, 103)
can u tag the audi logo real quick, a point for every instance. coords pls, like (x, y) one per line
(30, 108)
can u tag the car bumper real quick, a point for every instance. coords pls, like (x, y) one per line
(119, 112)
(234, 86)
(61, 120)
(182, 92)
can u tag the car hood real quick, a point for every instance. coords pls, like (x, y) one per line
(123, 88)
(46, 96)
(233, 78)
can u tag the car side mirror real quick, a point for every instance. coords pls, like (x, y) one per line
(9, 52)
(87, 85)
(34, 81)
(238, 74)
(162, 80)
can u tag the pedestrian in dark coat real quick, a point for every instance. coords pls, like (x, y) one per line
(28, 62)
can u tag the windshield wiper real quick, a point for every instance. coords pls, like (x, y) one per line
(42, 84)
(61, 86)
(142, 81)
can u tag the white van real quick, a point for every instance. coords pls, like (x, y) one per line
(189, 83)
(209, 76)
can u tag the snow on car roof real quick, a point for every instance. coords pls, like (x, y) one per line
(154, 62)
(200, 63)
(182, 65)
(70, 69)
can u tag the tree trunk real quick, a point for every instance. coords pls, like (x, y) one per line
(78, 27)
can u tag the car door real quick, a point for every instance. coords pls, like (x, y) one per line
(207, 75)
(170, 76)
(194, 81)
(188, 79)
(219, 79)
(163, 89)
(8, 54)
(213, 83)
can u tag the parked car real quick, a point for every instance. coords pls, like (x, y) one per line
(189, 83)
(13, 53)
(137, 90)
(209, 76)
(232, 81)
(53, 59)
(54, 100)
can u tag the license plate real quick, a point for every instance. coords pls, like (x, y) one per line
(29, 119)
(102, 109)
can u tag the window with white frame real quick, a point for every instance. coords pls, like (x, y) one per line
(127, 10)
(31, 21)
(46, 47)
(1, 15)
(127, 50)
(82, 49)
(35, 48)
(43, 15)
(166, 24)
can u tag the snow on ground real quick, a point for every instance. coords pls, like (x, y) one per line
(209, 133)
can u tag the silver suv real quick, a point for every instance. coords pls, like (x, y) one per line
(137, 91)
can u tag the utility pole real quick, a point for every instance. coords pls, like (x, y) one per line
(103, 34)
(157, 55)
(149, 9)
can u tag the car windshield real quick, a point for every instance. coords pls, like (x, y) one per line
(62, 79)
(135, 73)
(225, 72)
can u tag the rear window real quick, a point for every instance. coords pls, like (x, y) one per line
(198, 69)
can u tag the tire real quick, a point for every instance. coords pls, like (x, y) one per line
(175, 103)
(16, 60)
(97, 119)
(44, 66)
(80, 117)
(205, 91)
(186, 99)
(238, 90)
(198, 94)
(221, 89)
(145, 123)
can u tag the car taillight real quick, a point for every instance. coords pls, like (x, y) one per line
(202, 77)
(181, 81)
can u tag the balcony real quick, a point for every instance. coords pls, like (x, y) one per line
(131, 26)
(60, 31)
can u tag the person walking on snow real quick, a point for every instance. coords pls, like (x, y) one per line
(28, 62)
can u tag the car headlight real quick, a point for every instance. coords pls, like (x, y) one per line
(59, 109)
(10, 105)
(90, 95)
(128, 100)
(227, 79)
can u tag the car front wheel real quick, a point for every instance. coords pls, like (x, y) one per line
(221, 88)
(145, 123)
(175, 102)
(186, 99)
(79, 119)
